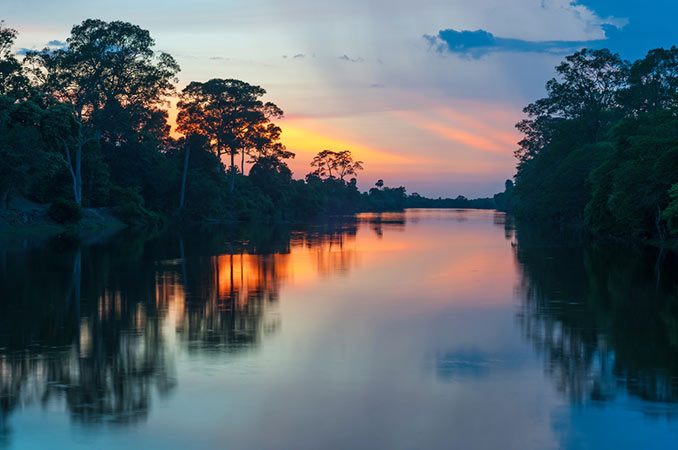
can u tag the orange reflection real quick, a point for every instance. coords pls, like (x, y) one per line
(244, 276)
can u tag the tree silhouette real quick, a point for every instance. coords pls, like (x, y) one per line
(107, 70)
(13, 81)
(331, 164)
(231, 114)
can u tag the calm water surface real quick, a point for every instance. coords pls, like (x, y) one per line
(423, 330)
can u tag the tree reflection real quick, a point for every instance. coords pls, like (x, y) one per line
(97, 328)
(603, 316)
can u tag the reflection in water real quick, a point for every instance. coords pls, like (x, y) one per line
(604, 316)
(96, 327)
(409, 316)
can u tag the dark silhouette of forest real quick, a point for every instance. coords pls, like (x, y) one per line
(84, 126)
(603, 316)
(600, 151)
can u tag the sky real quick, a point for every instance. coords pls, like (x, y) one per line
(425, 92)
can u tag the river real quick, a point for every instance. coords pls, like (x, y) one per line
(429, 329)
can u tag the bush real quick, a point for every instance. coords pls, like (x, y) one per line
(671, 212)
(130, 208)
(65, 211)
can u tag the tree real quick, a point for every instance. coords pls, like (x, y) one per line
(671, 212)
(13, 82)
(503, 200)
(230, 113)
(323, 163)
(653, 82)
(345, 166)
(266, 143)
(586, 89)
(601, 150)
(23, 157)
(331, 164)
(107, 70)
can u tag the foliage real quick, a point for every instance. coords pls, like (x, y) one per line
(601, 150)
(233, 118)
(417, 201)
(13, 81)
(88, 122)
(129, 207)
(503, 201)
(65, 211)
(330, 164)
(671, 212)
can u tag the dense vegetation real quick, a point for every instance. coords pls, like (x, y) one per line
(417, 201)
(84, 124)
(600, 151)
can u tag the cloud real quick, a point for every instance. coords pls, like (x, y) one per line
(478, 43)
(51, 46)
(353, 60)
(377, 86)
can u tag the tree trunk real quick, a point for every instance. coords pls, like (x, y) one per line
(182, 197)
(659, 225)
(78, 174)
(232, 172)
(242, 162)
(75, 170)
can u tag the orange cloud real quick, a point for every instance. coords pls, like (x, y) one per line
(308, 139)
(474, 134)
(497, 134)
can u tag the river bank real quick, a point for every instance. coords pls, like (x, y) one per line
(25, 219)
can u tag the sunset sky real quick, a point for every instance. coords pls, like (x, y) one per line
(402, 83)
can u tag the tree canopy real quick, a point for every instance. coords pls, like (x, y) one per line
(86, 125)
(601, 149)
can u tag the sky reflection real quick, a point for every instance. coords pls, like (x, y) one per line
(422, 329)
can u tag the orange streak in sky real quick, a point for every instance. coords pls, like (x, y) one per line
(308, 139)
(508, 139)
(449, 132)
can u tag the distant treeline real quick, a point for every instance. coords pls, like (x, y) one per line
(417, 201)
(84, 124)
(600, 151)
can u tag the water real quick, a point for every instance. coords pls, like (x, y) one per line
(424, 330)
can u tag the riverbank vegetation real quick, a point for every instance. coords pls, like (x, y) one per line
(84, 125)
(600, 151)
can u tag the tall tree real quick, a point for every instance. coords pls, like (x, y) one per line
(265, 143)
(653, 82)
(586, 88)
(107, 70)
(23, 157)
(230, 113)
(331, 164)
(13, 81)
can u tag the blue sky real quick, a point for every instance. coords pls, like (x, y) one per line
(433, 111)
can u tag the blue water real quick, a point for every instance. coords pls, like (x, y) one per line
(430, 329)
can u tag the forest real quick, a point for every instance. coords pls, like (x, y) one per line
(600, 151)
(84, 126)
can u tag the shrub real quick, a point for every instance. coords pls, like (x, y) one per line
(65, 211)
(130, 207)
